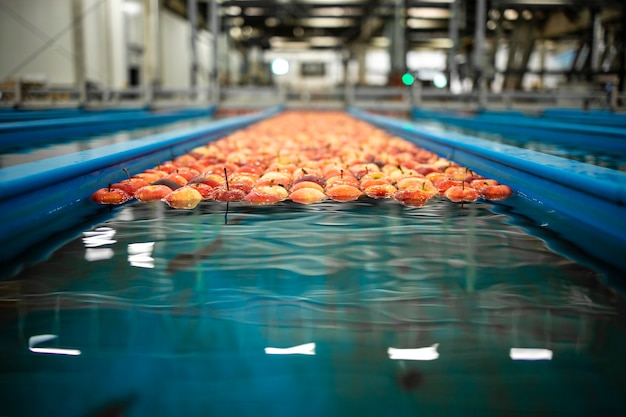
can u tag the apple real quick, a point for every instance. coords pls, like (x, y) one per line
(462, 194)
(110, 195)
(185, 198)
(343, 192)
(152, 192)
(307, 195)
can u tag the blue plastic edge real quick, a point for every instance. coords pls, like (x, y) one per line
(594, 197)
(595, 137)
(41, 198)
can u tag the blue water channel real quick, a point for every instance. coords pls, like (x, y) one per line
(367, 308)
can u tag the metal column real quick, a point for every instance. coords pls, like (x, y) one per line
(192, 15)
(479, 52)
(214, 84)
(398, 56)
(453, 34)
(79, 51)
(151, 49)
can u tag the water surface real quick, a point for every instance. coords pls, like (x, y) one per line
(383, 310)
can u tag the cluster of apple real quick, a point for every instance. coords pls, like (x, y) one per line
(305, 157)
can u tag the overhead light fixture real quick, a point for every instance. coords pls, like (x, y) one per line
(511, 14)
(254, 11)
(415, 23)
(428, 12)
(325, 22)
(324, 41)
(131, 8)
(271, 22)
(335, 11)
(280, 66)
(380, 42)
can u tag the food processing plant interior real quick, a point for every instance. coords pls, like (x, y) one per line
(313, 207)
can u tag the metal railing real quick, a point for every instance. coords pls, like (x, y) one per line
(403, 98)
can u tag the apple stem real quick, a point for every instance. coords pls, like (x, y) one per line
(227, 186)
(126, 171)
(341, 172)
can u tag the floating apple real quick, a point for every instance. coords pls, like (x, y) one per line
(495, 192)
(414, 197)
(183, 198)
(110, 195)
(462, 194)
(343, 192)
(307, 195)
(152, 193)
(314, 155)
(130, 185)
(380, 191)
(306, 184)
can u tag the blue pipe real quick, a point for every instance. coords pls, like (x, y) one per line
(592, 137)
(584, 203)
(15, 115)
(28, 133)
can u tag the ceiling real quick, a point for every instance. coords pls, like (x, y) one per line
(336, 24)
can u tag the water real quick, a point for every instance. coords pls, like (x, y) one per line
(71, 144)
(388, 311)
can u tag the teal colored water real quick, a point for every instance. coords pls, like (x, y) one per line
(337, 309)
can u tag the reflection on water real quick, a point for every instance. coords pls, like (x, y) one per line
(366, 308)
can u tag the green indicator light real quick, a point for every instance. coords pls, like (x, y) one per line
(408, 79)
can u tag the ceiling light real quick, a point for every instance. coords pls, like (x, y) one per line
(414, 23)
(325, 22)
(233, 11)
(324, 41)
(271, 22)
(428, 12)
(254, 11)
(280, 66)
(131, 8)
(511, 14)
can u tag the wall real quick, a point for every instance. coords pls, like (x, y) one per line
(333, 77)
(176, 52)
(35, 40)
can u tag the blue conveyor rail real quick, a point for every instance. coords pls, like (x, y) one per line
(43, 198)
(592, 117)
(28, 133)
(21, 115)
(593, 137)
(586, 204)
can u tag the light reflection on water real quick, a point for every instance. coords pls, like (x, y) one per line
(188, 335)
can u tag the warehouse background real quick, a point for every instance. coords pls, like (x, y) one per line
(94, 50)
